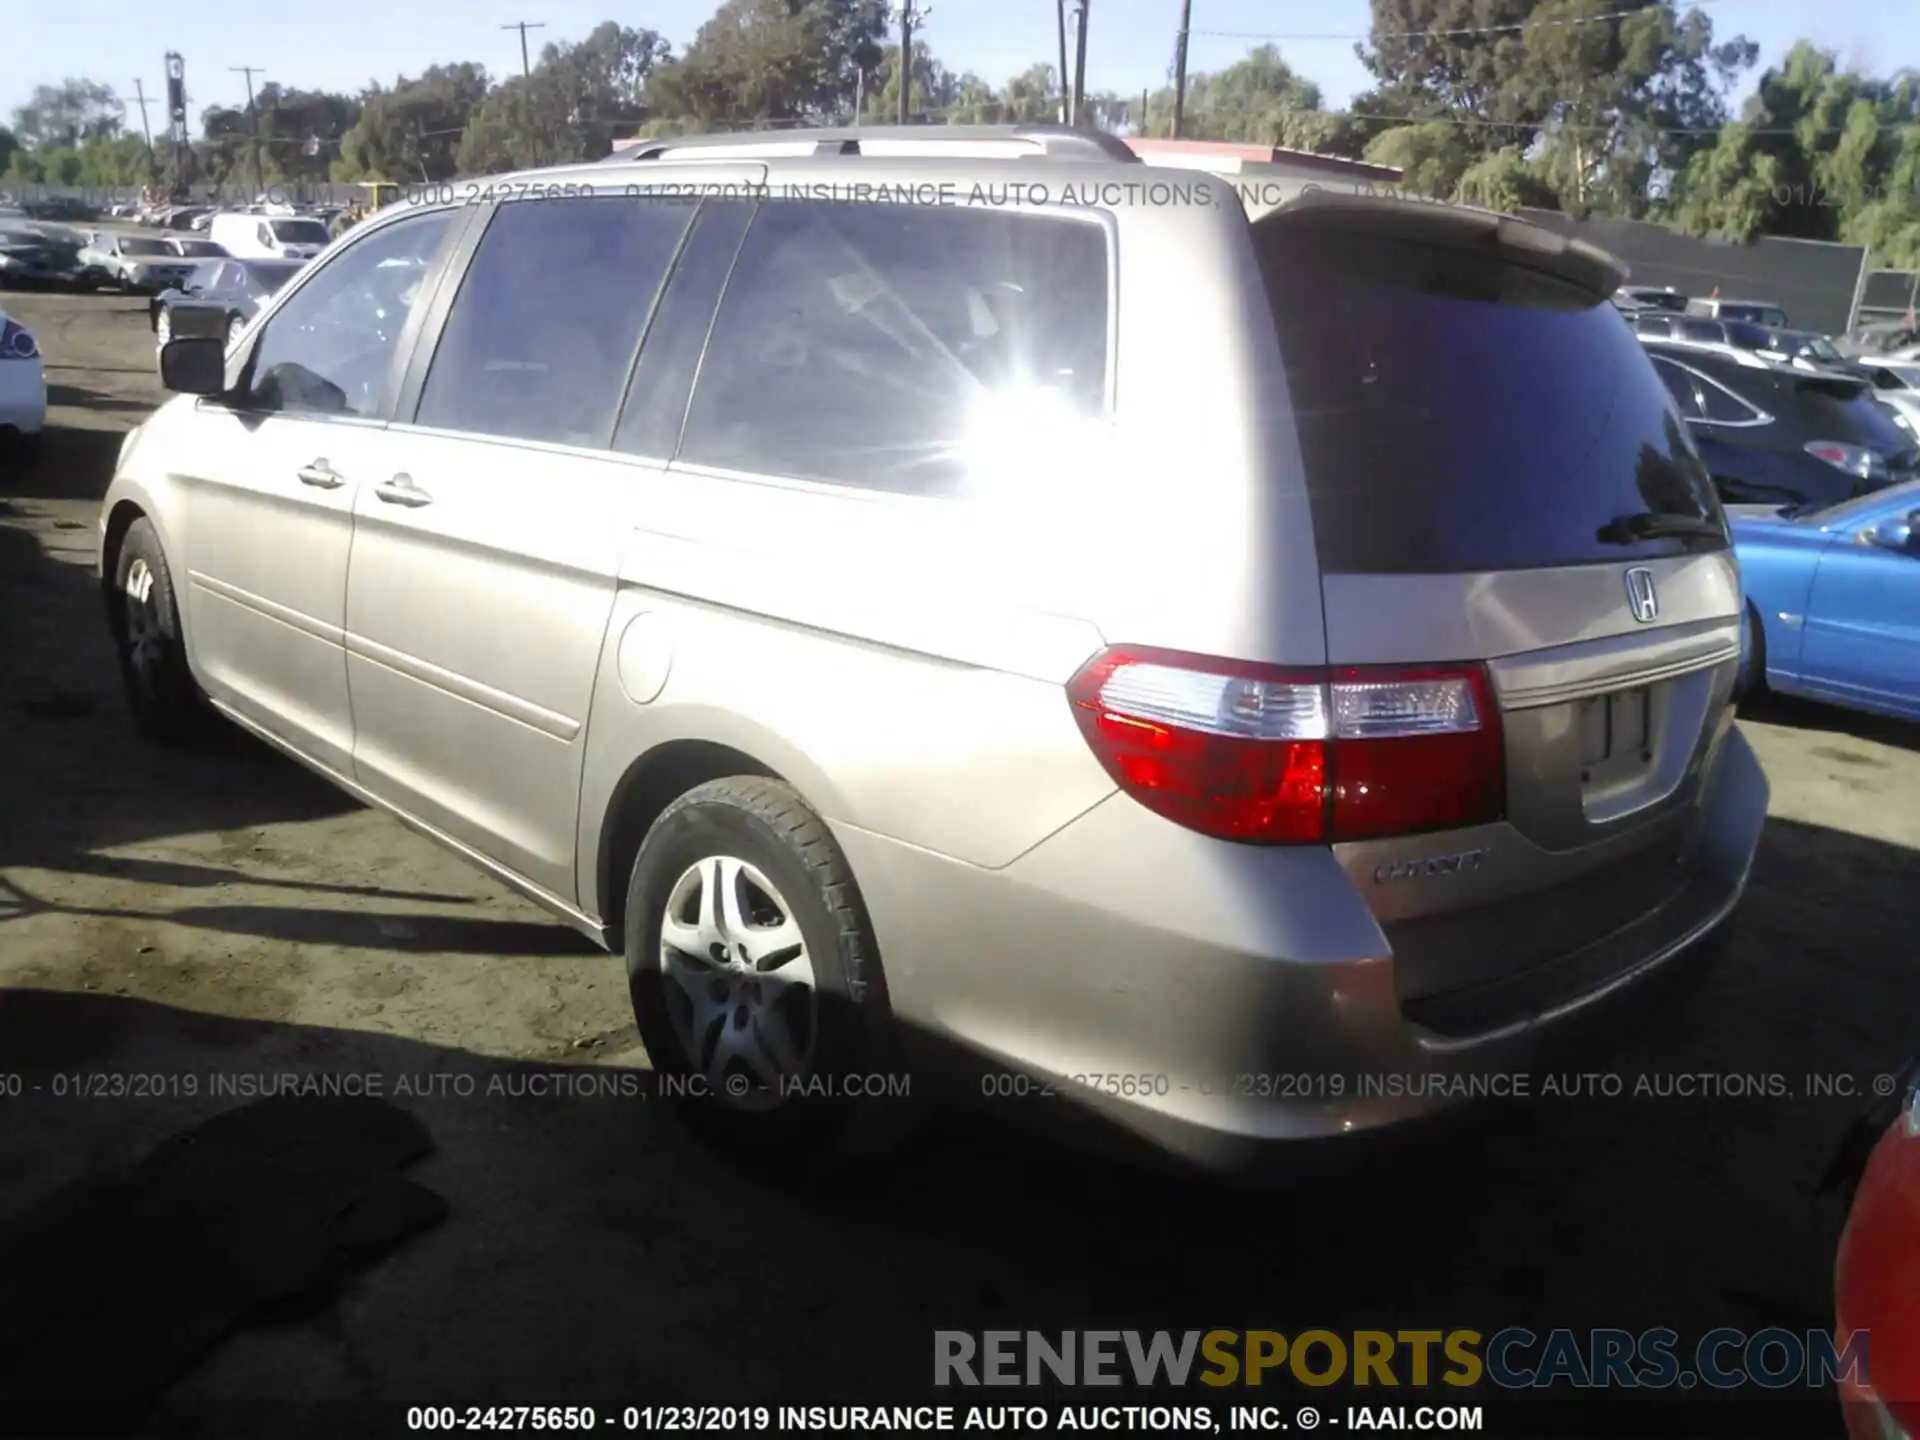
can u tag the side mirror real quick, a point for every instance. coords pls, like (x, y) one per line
(194, 366)
(1900, 532)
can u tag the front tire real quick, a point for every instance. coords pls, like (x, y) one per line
(755, 980)
(166, 702)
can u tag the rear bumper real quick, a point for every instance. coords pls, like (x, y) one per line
(23, 397)
(1211, 998)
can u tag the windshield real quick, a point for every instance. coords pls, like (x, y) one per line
(300, 232)
(134, 245)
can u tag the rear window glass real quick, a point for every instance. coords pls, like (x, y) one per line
(1457, 413)
(300, 232)
(1835, 412)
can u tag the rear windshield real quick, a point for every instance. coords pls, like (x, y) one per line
(1845, 410)
(1457, 413)
(134, 246)
(271, 277)
(300, 232)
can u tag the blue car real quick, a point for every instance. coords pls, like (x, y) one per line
(1833, 600)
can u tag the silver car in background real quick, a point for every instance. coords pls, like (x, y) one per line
(962, 594)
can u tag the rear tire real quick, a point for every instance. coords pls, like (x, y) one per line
(166, 701)
(755, 981)
(1750, 683)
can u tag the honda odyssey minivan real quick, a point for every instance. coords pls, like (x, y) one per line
(961, 590)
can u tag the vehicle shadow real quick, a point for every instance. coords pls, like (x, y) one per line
(1803, 714)
(81, 781)
(80, 397)
(70, 464)
(593, 1249)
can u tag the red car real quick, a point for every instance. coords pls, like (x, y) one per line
(1876, 1278)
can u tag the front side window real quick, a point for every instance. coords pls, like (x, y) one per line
(1705, 331)
(329, 350)
(541, 337)
(893, 347)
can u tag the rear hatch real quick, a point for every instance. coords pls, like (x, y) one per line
(1479, 432)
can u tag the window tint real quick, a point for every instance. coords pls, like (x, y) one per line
(542, 334)
(300, 232)
(1681, 385)
(1459, 413)
(329, 349)
(670, 355)
(1705, 330)
(1723, 405)
(878, 345)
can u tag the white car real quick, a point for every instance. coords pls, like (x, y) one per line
(23, 386)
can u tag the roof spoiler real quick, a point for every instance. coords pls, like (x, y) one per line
(1460, 227)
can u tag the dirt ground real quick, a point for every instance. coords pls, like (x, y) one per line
(224, 912)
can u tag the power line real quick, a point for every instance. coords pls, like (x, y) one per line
(1609, 16)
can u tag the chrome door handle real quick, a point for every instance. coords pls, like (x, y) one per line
(402, 491)
(321, 476)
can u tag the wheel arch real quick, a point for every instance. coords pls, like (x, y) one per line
(650, 783)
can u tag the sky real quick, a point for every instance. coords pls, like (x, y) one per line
(342, 44)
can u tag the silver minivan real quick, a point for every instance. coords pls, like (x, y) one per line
(964, 592)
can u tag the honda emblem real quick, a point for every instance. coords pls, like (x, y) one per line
(1640, 597)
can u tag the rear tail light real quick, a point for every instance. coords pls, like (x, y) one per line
(16, 342)
(1277, 756)
(1854, 459)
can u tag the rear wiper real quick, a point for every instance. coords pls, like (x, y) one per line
(1655, 525)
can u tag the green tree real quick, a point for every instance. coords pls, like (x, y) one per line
(772, 61)
(68, 115)
(412, 131)
(1433, 158)
(570, 107)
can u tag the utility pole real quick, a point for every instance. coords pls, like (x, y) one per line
(140, 99)
(1180, 68)
(526, 68)
(1080, 59)
(1060, 19)
(253, 117)
(911, 15)
(177, 136)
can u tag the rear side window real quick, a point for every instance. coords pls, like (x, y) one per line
(1460, 413)
(1682, 386)
(1707, 331)
(543, 332)
(1654, 324)
(875, 345)
(1724, 407)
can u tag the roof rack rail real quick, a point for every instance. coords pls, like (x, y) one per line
(1050, 141)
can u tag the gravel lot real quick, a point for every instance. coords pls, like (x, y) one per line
(226, 912)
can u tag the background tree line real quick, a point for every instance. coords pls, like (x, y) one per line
(1567, 104)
